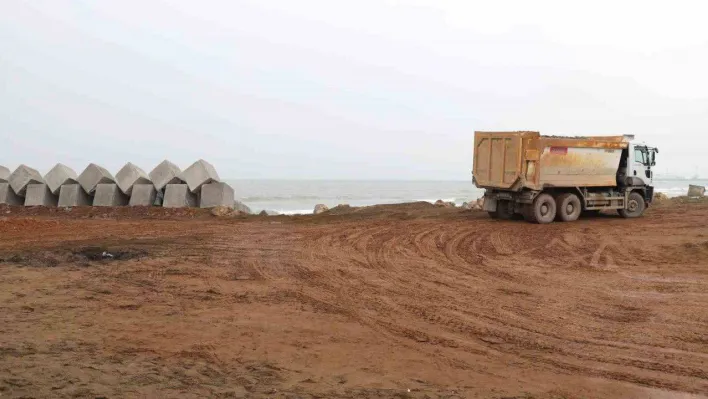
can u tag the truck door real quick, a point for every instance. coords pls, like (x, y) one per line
(639, 164)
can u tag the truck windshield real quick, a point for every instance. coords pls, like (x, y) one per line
(640, 155)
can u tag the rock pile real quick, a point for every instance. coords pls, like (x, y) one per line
(444, 204)
(320, 208)
(474, 205)
(660, 198)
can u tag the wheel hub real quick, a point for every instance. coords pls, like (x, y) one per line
(569, 209)
(633, 205)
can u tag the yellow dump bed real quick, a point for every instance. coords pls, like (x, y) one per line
(516, 160)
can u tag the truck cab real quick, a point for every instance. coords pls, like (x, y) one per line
(635, 169)
(641, 160)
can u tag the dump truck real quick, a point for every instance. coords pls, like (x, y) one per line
(547, 178)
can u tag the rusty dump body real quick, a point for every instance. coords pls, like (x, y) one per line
(513, 161)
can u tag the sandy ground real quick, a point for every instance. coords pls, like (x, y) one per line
(390, 301)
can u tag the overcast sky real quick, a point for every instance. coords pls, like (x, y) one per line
(366, 89)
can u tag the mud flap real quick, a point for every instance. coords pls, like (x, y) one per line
(490, 204)
(648, 195)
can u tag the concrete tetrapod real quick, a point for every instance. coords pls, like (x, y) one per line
(130, 175)
(165, 173)
(58, 176)
(109, 195)
(143, 195)
(198, 174)
(4, 174)
(21, 177)
(7, 196)
(179, 196)
(73, 195)
(94, 175)
(40, 195)
(216, 194)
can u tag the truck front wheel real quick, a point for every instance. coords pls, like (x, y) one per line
(635, 206)
(569, 208)
(543, 210)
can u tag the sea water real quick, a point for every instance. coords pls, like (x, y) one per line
(301, 196)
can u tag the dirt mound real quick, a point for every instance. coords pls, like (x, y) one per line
(342, 209)
(689, 200)
(403, 210)
(444, 204)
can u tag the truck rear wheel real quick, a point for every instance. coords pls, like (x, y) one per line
(635, 206)
(543, 210)
(505, 210)
(568, 207)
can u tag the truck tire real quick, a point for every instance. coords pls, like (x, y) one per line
(635, 206)
(527, 213)
(543, 210)
(505, 210)
(568, 207)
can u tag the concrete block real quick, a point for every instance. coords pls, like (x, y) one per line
(179, 196)
(4, 174)
(165, 173)
(40, 195)
(73, 195)
(109, 195)
(129, 176)
(7, 196)
(198, 174)
(143, 195)
(216, 194)
(94, 175)
(21, 177)
(696, 191)
(58, 176)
